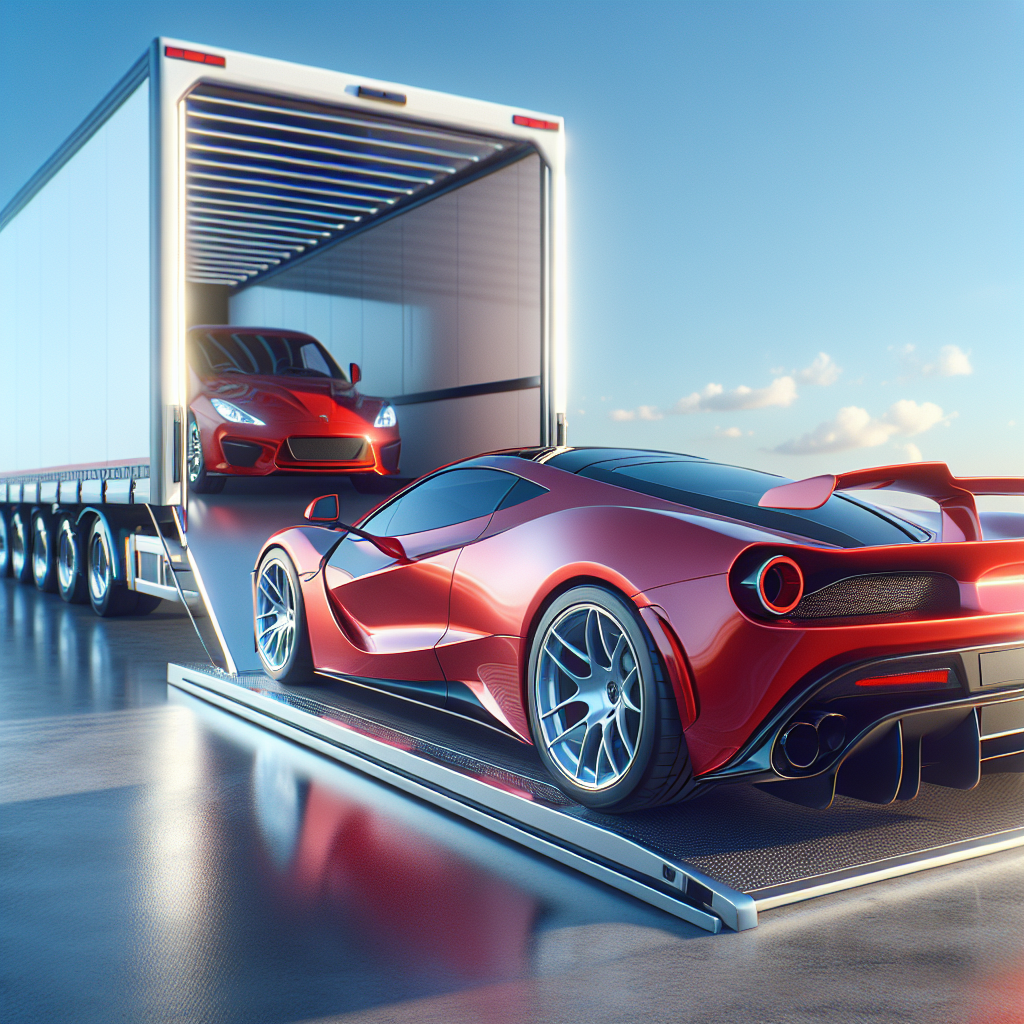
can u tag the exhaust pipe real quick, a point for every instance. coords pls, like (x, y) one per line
(810, 736)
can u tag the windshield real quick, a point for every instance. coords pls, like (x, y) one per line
(217, 352)
(734, 492)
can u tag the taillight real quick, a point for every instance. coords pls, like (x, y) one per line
(778, 585)
(940, 676)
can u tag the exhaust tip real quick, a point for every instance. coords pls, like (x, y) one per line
(799, 744)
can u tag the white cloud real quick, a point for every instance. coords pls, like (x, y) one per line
(781, 392)
(854, 427)
(728, 432)
(649, 412)
(953, 362)
(822, 371)
(622, 415)
(912, 451)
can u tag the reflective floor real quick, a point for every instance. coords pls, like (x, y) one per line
(161, 860)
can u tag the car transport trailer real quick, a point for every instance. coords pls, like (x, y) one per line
(417, 234)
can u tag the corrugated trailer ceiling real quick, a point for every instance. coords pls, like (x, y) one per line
(270, 179)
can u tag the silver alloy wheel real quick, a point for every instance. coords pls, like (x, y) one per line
(275, 614)
(101, 574)
(5, 548)
(40, 550)
(67, 556)
(589, 697)
(195, 452)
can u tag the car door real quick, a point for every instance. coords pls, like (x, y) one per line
(392, 612)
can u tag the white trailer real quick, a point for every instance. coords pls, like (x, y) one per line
(419, 234)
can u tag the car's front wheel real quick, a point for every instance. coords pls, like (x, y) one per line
(198, 479)
(602, 711)
(282, 636)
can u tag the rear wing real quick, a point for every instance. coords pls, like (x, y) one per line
(954, 495)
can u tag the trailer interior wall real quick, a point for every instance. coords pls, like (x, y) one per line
(75, 307)
(446, 297)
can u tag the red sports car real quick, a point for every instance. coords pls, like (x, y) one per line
(270, 401)
(657, 623)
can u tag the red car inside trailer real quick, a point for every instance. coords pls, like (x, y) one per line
(657, 623)
(270, 401)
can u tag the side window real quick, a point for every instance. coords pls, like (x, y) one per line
(443, 500)
(523, 490)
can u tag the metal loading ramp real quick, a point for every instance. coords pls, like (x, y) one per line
(716, 861)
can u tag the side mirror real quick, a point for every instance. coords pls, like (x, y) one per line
(354, 373)
(324, 509)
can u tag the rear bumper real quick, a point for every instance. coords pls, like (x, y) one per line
(941, 716)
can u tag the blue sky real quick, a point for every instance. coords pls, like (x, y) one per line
(796, 229)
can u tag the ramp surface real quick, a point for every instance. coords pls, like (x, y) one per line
(740, 839)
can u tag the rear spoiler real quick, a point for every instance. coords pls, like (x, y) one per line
(955, 495)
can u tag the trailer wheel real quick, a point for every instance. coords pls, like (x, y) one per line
(282, 635)
(198, 479)
(21, 548)
(44, 561)
(5, 545)
(72, 582)
(602, 712)
(107, 595)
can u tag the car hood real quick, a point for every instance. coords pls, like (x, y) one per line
(312, 396)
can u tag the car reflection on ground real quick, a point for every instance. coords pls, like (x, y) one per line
(399, 890)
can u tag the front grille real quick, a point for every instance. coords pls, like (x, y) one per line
(328, 449)
(881, 594)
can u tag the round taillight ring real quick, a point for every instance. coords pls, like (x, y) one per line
(780, 585)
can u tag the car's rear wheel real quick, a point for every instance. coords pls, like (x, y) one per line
(44, 562)
(71, 576)
(282, 635)
(21, 548)
(602, 711)
(198, 479)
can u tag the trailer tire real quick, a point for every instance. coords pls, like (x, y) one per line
(284, 648)
(198, 479)
(44, 555)
(72, 579)
(107, 595)
(5, 545)
(21, 548)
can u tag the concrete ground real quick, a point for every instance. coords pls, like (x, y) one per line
(161, 860)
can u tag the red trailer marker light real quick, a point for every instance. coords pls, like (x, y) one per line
(940, 676)
(533, 122)
(195, 56)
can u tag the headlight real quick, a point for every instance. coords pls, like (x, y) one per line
(234, 414)
(386, 417)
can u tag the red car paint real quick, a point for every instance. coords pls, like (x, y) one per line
(463, 608)
(290, 407)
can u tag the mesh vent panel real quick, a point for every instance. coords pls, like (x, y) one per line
(328, 449)
(881, 594)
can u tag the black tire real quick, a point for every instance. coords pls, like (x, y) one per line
(44, 556)
(631, 704)
(21, 547)
(72, 581)
(281, 631)
(199, 480)
(5, 545)
(107, 595)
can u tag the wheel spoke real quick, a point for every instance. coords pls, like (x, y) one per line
(578, 680)
(561, 736)
(569, 647)
(623, 729)
(625, 686)
(583, 750)
(561, 705)
(607, 748)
